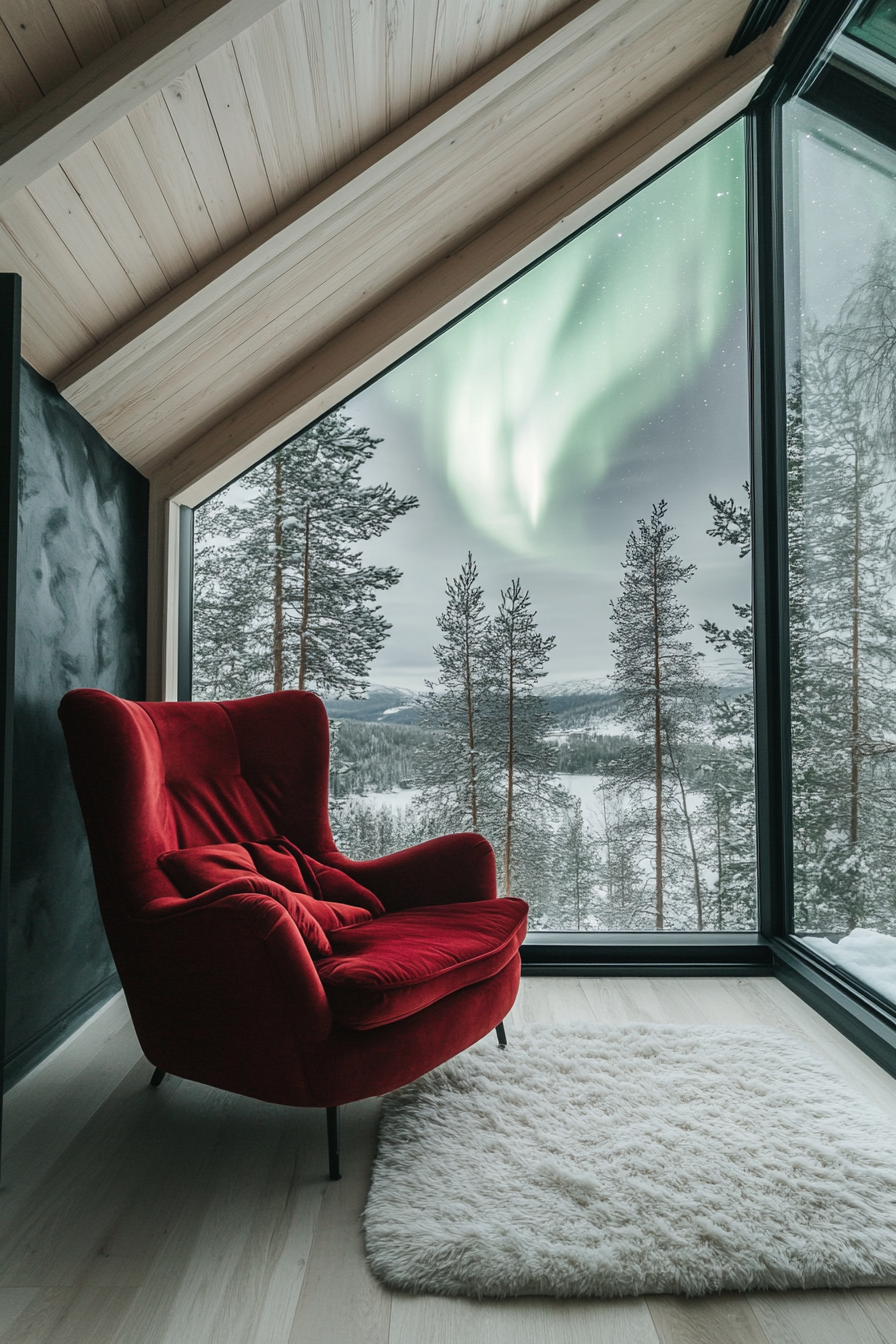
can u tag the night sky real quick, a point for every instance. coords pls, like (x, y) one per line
(540, 428)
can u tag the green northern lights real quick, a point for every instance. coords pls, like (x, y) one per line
(523, 405)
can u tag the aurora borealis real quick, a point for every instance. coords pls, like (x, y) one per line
(524, 404)
(542, 425)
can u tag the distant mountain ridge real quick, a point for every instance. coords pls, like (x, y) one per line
(397, 704)
(393, 704)
(579, 702)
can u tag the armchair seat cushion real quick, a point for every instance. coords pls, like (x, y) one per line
(400, 963)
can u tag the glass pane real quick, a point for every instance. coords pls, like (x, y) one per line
(842, 296)
(875, 25)
(540, 628)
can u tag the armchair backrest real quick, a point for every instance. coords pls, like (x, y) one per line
(164, 775)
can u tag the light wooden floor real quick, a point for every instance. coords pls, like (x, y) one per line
(188, 1216)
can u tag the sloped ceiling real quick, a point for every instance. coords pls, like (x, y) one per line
(225, 211)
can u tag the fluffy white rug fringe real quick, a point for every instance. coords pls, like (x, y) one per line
(617, 1161)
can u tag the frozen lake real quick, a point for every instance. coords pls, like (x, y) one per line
(396, 799)
(581, 786)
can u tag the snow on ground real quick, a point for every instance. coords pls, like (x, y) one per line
(866, 954)
(396, 799)
(582, 786)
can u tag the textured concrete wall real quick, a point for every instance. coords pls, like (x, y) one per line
(80, 621)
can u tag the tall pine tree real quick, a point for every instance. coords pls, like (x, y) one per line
(655, 671)
(843, 628)
(732, 526)
(517, 727)
(457, 778)
(624, 838)
(576, 865)
(283, 597)
(728, 813)
(223, 610)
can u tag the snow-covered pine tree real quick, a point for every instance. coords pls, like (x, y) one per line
(223, 610)
(368, 832)
(576, 866)
(806, 685)
(866, 338)
(457, 779)
(683, 722)
(728, 813)
(656, 672)
(843, 666)
(732, 526)
(624, 843)
(514, 737)
(728, 823)
(285, 598)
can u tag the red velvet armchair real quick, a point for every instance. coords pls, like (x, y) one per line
(226, 979)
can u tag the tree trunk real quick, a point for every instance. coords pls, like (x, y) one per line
(278, 574)
(698, 894)
(576, 889)
(306, 602)
(468, 678)
(609, 854)
(657, 748)
(719, 857)
(508, 833)
(578, 883)
(854, 739)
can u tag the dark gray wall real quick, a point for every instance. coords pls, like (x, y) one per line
(80, 621)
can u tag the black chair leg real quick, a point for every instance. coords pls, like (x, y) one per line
(501, 1035)
(157, 1077)
(333, 1142)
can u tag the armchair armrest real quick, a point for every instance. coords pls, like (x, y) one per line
(444, 871)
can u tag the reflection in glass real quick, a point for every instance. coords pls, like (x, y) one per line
(875, 25)
(842, 497)
(540, 628)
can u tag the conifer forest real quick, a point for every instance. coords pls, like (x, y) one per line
(626, 803)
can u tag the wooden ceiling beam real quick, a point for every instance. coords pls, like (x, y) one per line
(116, 82)
(422, 307)
(350, 186)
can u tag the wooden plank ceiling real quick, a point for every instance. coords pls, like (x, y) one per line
(190, 253)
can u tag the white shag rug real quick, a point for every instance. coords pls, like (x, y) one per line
(613, 1161)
